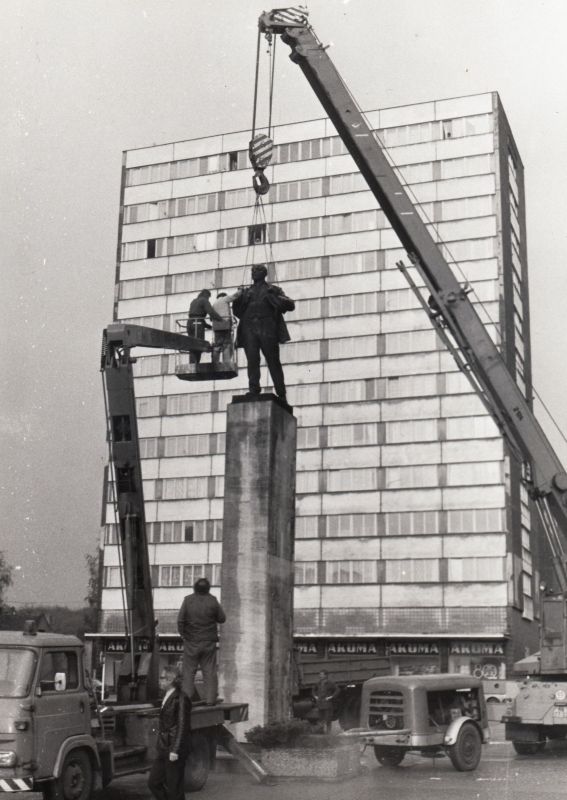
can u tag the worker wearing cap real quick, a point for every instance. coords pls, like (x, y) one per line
(197, 623)
(199, 310)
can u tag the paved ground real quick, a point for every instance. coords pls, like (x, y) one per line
(502, 775)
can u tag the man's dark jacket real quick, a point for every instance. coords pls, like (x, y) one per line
(174, 729)
(198, 618)
(275, 303)
(200, 308)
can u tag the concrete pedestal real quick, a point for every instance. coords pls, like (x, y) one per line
(257, 558)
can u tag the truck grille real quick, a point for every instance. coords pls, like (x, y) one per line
(386, 711)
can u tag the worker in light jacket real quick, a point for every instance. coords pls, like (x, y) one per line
(166, 780)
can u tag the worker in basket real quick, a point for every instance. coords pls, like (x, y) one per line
(197, 324)
(223, 348)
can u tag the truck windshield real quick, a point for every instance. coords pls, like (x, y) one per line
(16, 671)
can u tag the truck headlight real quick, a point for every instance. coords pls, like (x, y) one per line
(7, 759)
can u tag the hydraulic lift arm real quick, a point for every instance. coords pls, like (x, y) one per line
(116, 365)
(452, 309)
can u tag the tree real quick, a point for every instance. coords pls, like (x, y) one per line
(6, 577)
(94, 586)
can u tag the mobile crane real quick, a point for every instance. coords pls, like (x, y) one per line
(540, 709)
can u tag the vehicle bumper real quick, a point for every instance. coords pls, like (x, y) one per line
(16, 785)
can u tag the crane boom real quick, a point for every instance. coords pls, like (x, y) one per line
(452, 308)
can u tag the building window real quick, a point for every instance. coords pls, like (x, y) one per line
(465, 570)
(111, 578)
(352, 525)
(305, 572)
(256, 234)
(351, 572)
(412, 523)
(233, 160)
(412, 570)
(151, 252)
(170, 576)
(306, 527)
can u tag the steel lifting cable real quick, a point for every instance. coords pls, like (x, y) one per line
(256, 77)
(261, 145)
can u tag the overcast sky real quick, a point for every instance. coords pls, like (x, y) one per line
(83, 80)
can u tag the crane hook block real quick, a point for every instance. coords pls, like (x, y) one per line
(260, 151)
(260, 183)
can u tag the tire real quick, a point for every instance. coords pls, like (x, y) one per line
(466, 752)
(198, 762)
(389, 756)
(75, 781)
(528, 748)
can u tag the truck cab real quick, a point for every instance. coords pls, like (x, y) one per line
(44, 709)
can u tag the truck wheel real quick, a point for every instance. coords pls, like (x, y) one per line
(465, 753)
(528, 748)
(198, 762)
(75, 781)
(389, 756)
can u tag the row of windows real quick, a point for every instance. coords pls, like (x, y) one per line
(302, 189)
(306, 150)
(409, 570)
(203, 530)
(168, 575)
(319, 226)
(328, 481)
(483, 473)
(450, 389)
(418, 570)
(341, 305)
(400, 354)
(406, 523)
(358, 221)
(430, 131)
(291, 270)
(358, 434)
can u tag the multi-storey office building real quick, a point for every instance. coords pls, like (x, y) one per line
(413, 531)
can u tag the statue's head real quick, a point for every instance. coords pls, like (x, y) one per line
(259, 272)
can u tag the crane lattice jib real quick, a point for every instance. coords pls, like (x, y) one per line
(508, 405)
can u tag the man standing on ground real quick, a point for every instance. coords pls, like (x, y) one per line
(324, 694)
(260, 309)
(166, 780)
(197, 621)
